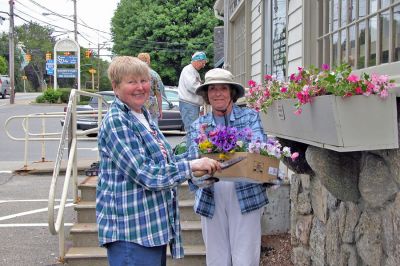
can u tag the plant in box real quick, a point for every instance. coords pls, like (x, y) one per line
(261, 159)
(329, 108)
(309, 83)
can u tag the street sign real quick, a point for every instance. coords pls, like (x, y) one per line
(50, 71)
(67, 73)
(66, 59)
(49, 64)
(92, 71)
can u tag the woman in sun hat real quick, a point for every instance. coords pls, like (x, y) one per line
(230, 211)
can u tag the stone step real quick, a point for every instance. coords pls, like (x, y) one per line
(86, 211)
(88, 190)
(83, 256)
(85, 234)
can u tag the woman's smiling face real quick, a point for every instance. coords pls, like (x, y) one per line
(133, 91)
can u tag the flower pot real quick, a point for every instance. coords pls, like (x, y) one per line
(255, 168)
(342, 124)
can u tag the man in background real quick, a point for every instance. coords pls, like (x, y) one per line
(189, 81)
(154, 104)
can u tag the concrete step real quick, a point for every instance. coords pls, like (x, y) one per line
(88, 188)
(84, 256)
(86, 211)
(85, 234)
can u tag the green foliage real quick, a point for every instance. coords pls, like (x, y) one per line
(36, 40)
(170, 31)
(40, 99)
(64, 95)
(3, 66)
(49, 96)
(180, 148)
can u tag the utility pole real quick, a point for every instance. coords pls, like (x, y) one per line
(75, 22)
(98, 64)
(11, 52)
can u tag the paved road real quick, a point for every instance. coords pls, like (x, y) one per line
(24, 234)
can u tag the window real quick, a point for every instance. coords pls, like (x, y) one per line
(275, 31)
(363, 33)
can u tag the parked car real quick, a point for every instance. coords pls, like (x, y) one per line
(4, 86)
(172, 119)
(172, 94)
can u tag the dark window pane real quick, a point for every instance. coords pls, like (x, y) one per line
(361, 43)
(396, 25)
(352, 40)
(384, 32)
(372, 41)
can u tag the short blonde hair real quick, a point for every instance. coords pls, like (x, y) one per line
(145, 57)
(122, 66)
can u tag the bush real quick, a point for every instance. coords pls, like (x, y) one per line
(40, 99)
(64, 97)
(51, 95)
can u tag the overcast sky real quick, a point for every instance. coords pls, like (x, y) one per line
(95, 14)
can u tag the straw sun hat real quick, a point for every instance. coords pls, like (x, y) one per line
(220, 76)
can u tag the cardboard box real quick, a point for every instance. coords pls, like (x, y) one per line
(255, 168)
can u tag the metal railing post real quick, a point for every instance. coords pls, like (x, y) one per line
(43, 141)
(26, 125)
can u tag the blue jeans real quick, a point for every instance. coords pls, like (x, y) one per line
(189, 112)
(122, 253)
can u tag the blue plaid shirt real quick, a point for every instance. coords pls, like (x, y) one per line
(136, 198)
(251, 196)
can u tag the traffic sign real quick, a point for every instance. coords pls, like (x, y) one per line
(67, 73)
(49, 64)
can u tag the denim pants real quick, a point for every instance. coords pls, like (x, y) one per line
(122, 253)
(189, 112)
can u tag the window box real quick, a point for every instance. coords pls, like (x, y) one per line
(341, 124)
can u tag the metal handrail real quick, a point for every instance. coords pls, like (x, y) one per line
(45, 136)
(69, 126)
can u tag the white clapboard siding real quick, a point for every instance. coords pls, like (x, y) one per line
(294, 38)
(256, 40)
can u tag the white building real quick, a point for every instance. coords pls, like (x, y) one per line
(277, 36)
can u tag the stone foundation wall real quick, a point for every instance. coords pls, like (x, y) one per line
(347, 212)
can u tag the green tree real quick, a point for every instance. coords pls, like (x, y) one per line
(37, 40)
(170, 30)
(3, 66)
(4, 52)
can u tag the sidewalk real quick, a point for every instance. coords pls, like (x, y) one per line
(46, 167)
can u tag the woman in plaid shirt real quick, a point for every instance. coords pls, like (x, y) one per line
(136, 201)
(230, 211)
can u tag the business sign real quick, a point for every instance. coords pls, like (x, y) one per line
(66, 59)
(50, 71)
(67, 73)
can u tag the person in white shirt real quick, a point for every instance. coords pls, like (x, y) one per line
(189, 81)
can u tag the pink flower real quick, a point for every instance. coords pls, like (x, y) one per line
(252, 83)
(294, 156)
(384, 94)
(283, 89)
(325, 67)
(353, 78)
(267, 77)
(298, 111)
(359, 90)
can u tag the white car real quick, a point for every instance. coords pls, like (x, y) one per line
(4, 86)
(171, 92)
